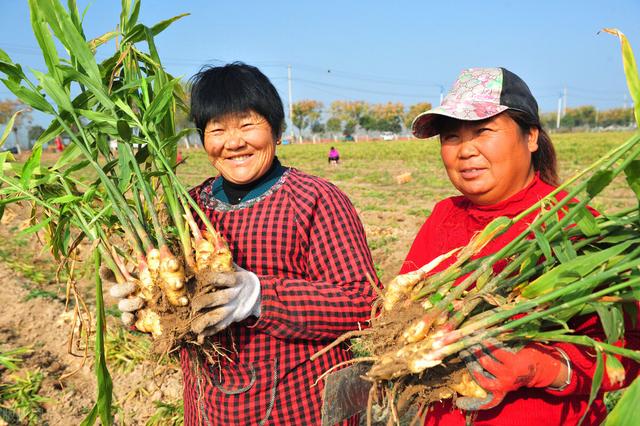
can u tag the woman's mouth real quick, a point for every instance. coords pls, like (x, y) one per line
(471, 172)
(239, 159)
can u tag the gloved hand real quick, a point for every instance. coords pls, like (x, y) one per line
(127, 304)
(500, 369)
(215, 310)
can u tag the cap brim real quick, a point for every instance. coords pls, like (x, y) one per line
(423, 125)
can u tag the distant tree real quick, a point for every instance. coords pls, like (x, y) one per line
(34, 134)
(305, 113)
(414, 111)
(349, 112)
(349, 128)
(317, 127)
(334, 125)
(388, 117)
(548, 120)
(615, 117)
(580, 116)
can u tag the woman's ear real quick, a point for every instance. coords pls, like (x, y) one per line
(532, 139)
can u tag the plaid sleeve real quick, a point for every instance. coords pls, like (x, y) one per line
(336, 295)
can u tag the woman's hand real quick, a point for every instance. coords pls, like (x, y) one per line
(223, 305)
(500, 369)
(127, 304)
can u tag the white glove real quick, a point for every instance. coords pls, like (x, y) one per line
(127, 304)
(216, 310)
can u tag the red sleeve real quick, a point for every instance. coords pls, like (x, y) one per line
(335, 296)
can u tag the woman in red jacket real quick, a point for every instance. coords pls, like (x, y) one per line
(498, 156)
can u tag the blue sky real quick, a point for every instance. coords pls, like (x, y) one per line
(379, 51)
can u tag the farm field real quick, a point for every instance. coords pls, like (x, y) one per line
(391, 212)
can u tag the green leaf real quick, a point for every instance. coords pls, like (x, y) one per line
(69, 198)
(124, 130)
(54, 129)
(29, 97)
(104, 38)
(563, 249)
(612, 321)
(57, 93)
(625, 412)
(96, 87)
(570, 271)
(43, 36)
(614, 370)
(586, 222)
(596, 382)
(30, 166)
(632, 171)
(35, 228)
(158, 107)
(544, 245)
(630, 70)
(99, 117)
(77, 166)
(8, 128)
(598, 182)
(66, 31)
(13, 71)
(137, 33)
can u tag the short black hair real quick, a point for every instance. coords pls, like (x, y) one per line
(233, 89)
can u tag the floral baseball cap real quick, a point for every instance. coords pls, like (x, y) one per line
(478, 93)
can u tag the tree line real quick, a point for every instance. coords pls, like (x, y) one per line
(346, 118)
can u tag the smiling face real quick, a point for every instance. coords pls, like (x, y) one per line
(240, 146)
(489, 160)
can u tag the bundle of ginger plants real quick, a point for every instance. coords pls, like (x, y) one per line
(565, 264)
(125, 206)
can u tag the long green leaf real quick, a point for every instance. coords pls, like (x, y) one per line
(43, 36)
(65, 30)
(630, 70)
(571, 271)
(157, 109)
(625, 412)
(8, 128)
(30, 166)
(55, 91)
(35, 228)
(595, 383)
(29, 97)
(102, 408)
(96, 87)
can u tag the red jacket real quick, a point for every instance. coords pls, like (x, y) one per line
(452, 224)
(305, 242)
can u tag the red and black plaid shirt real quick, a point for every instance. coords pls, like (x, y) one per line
(307, 245)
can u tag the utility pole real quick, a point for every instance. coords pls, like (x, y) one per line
(290, 102)
(559, 111)
(441, 94)
(564, 108)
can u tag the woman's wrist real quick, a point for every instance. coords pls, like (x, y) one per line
(564, 375)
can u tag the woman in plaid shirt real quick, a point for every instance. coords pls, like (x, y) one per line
(302, 260)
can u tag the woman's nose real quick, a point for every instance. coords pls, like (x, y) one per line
(235, 139)
(467, 149)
